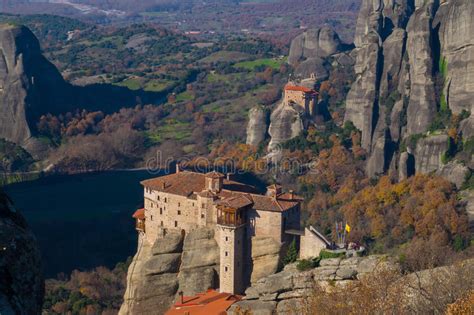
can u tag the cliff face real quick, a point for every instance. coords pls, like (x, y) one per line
(21, 281)
(412, 58)
(28, 83)
(176, 263)
(286, 122)
(257, 126)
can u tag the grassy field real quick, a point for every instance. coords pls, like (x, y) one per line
(170, 130)
(265, 62)
(185, 96)
(131, 83)
(226, 56)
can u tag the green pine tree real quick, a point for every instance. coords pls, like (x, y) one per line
(291, 254)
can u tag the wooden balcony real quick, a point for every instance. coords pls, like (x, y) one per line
(229, 217)
(140, 225)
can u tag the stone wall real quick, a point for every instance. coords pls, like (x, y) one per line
(310, 245)
(285, 292)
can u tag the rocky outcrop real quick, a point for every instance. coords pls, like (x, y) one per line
(314, 43)
(31, 86)
(172, 264)
(277, 293)
(406, 50)
(266, 257)
(456, 20)
(455, 172)
(152, 285)
(200, 262)
(286, 122)
(429, 152)
(28, 83)
(257, 126)
(21, 281)
(422, 105)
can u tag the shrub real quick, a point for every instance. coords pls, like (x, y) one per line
(292, 254)
(306, 264)
(324, 254)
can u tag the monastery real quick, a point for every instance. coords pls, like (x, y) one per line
(304, 97)
(186, 200)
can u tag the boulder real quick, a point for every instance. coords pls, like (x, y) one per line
(313, 43)
(257, 126)
(455, 172)
(155, 294)
(330, 262)
(255, 306)
(200, 249)
(171, 243)
(196, 280)
(286, 122)
(279, 282)
(291, 306)
(346, 273)
(164, 263)
(313, 66)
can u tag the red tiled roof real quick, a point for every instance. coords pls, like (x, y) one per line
(210, 302)
(238, 201)
(186, 183)
(139, 214)
(214, 175)
(299, 89)
(189, 184)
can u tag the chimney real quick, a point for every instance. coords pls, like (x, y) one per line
(181, 295)
(229, 176)
(291, 194)
(163, 185)
(177, 167)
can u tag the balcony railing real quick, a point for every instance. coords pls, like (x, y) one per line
(140, 225)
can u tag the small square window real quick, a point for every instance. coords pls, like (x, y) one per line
(179, 212)
(202, 216)
(151, 217)
(158, 198)
(179, 204)
(161, 210)
(225, 268)
(161, 223)
(226, 254)
(226, 238)
(175, 223)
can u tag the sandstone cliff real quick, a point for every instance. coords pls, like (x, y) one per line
(31, 86)
(21, 281)
(285, 292)
(257, 126)
(28, 82)
(413, 59)
(175, 263)
(286, 122)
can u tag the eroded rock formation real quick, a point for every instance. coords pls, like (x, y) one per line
(21, 281)
(175, 263)
(286, 122)
(257, 126)
(413, 58)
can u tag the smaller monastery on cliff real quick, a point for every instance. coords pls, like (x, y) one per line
(186, 200)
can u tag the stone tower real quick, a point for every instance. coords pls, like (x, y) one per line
(231, 230)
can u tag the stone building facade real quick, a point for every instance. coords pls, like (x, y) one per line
(185, 201)
(304, 97)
